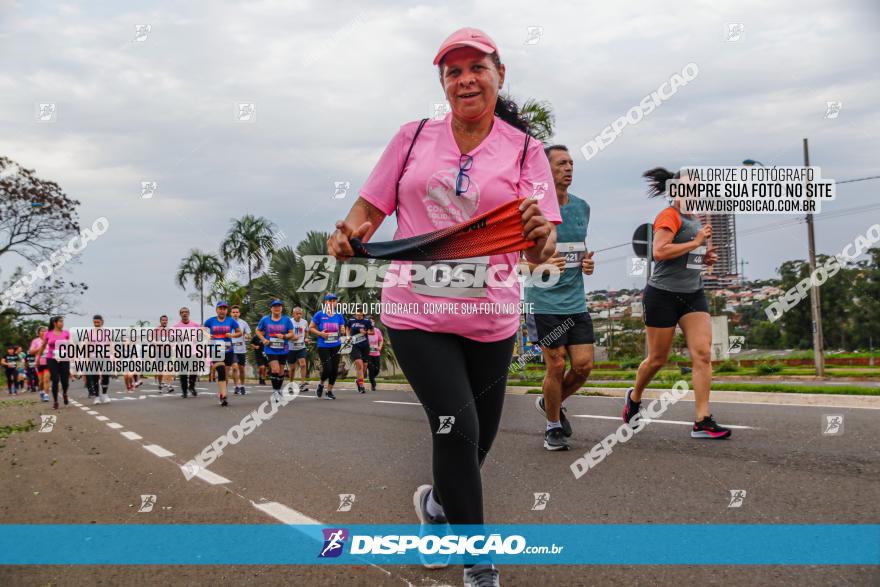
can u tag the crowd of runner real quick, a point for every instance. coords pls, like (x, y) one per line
(279, 346)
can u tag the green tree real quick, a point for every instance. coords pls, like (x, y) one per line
(250, 241)
(200, 268)
(541, 119)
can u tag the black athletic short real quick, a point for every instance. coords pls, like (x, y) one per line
(556, 330)
(359, 351)
(241, 358)
(663, 309)
(260, 358)
(295, 355)
(228, 359)
(280, 357)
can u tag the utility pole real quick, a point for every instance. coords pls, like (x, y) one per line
(815, 300)
(742, 271)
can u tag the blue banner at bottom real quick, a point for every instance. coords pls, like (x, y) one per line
(594, 544)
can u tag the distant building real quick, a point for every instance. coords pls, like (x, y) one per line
(724, 273)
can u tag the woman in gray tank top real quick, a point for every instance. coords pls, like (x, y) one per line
(674, 296)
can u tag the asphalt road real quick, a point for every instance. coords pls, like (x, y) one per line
(95, 464)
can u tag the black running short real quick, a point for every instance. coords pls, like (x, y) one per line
(663, 309)
(228, 359)
(260, 358)
(556, 330)
(241, 358)
(280, 357)
(295, 355)
(360, 351)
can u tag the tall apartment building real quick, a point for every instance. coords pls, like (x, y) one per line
(724, 274)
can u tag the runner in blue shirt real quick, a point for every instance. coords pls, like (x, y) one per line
(328, 326)
(223, 329)
(274, 331)
(358, 329)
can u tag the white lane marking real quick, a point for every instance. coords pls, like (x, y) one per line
(158, 450)
(284, 514)
(380, 401)
(132, 435)
(646, 420)
(721, 401)
(209, 476)
(141, 396)
(102, 418)
(92, 413)
(114, 425)
(83, 408)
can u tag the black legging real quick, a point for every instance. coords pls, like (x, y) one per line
(460, 377)
(97, 383)
(373, 366)
(187, 383)
(60, 372)
(329, 363)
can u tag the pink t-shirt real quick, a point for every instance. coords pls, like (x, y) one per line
(374, 340)
(189, 324)
(52, 338)
(428, 201)
(36, 344)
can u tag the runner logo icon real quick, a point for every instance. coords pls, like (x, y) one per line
(334, 539)
(318, 271)
(346, 500)
(541, 500)
(737, 497)
(446, 423)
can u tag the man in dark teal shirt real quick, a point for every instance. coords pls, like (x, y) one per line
(563, 324)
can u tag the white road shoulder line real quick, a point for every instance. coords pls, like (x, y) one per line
(649, 420)
(92, 413)
(284, 514)
(158, 450)
(114, 425)
(131, 435)
(381, 401)
(102, 418)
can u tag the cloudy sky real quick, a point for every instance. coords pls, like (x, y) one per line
(332, 82)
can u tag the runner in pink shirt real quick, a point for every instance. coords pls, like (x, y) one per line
(187, 382)
(374, 359)
(435, 174)
(59, 371)
(36, 349)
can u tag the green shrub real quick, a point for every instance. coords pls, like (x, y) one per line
(727, 367)
(630, 363)
(768, 368)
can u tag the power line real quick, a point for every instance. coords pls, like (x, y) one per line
(859, 179)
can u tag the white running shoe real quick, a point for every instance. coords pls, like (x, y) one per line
(105, 398)
(97, 400)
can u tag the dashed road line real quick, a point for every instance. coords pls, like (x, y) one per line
(158, 450)
(132, 435)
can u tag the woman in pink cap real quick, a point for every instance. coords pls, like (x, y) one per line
(436, 174)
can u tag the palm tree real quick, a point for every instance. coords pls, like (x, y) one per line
(200, 267)
(250, 240)
(540, 117)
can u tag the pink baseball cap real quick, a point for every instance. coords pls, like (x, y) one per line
(466, 37)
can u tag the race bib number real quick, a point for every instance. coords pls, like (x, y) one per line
(456, 278)
(298, 346)
(276, 344)
(332, 337)
(358, 338)
(573, 253)
(374, 349)
(695, 258)
(223, 345)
